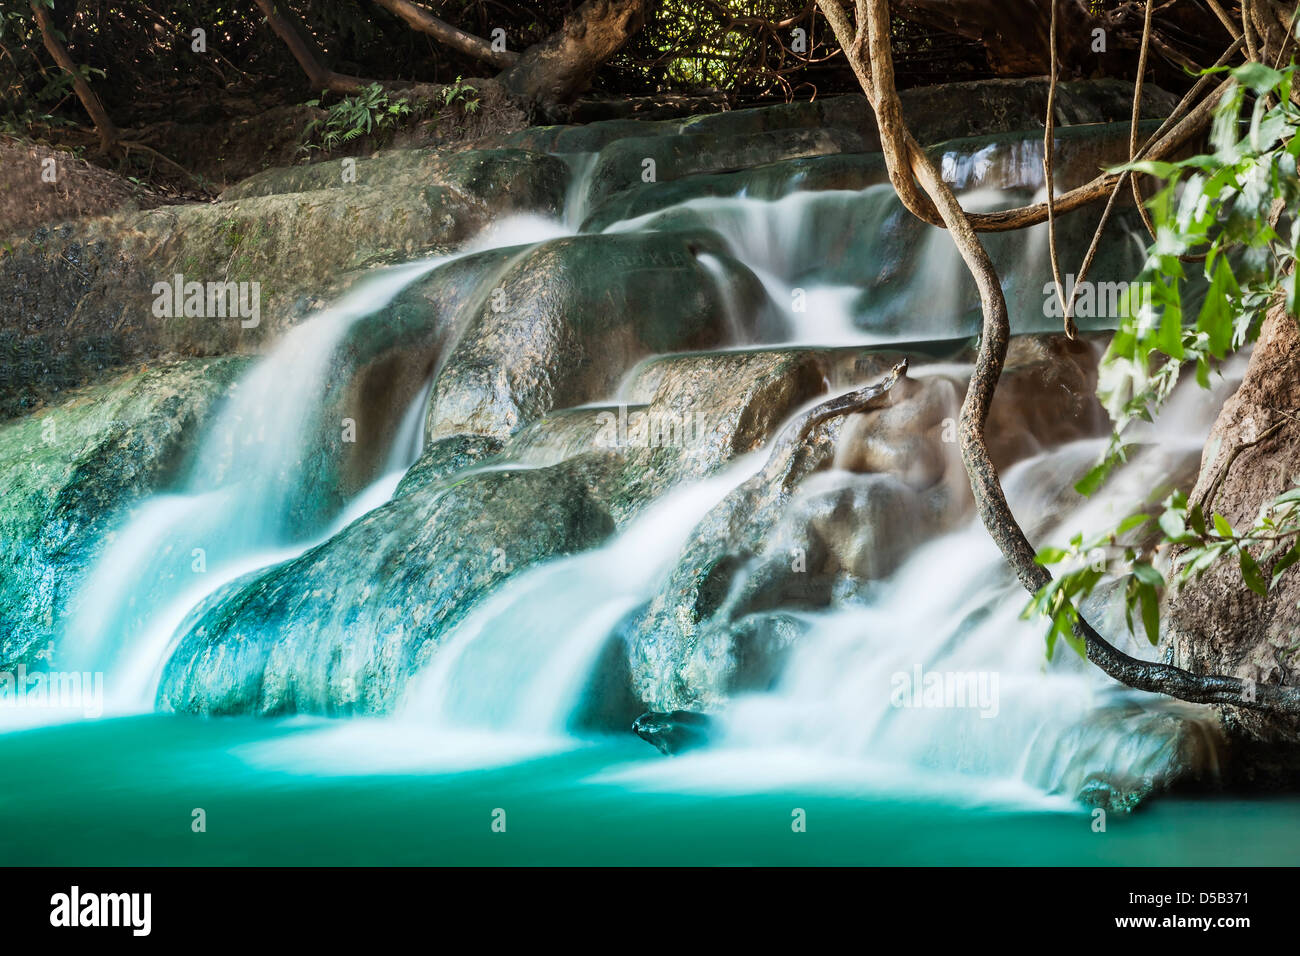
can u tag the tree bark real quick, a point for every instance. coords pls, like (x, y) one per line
(418, 18)
(304, 49)
(104, 125)
(553, 72)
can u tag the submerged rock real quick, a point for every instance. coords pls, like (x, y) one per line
(676, 732)
(1127, 751)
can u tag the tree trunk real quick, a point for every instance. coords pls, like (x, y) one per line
(1215, 623)
(553, 72)
(104, 125)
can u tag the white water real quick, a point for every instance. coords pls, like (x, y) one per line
(233, 514)
(178, 548)
(520, 661)
(505, 682)
(954, 610)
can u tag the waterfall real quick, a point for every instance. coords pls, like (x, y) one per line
(853, 267)
(247, 501)
(230, 515)
(949, 621)
(576, 199)
(520, 661)
(842, 267)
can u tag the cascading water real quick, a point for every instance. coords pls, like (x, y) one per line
(518, 665)
(247, 502)
(520, 661)
(858, 684)
(230, 516)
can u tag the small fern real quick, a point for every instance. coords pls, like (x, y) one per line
(460, 95)
(369, 112)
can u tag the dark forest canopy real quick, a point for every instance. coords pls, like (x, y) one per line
(143, 62)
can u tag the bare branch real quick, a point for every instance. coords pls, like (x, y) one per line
(306, 52)
(418, 18)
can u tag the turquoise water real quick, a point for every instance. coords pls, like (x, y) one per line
(293, 792)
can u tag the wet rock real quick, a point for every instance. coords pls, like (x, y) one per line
(625, 163)
(1115, 794)
(1008, 160)
(446, 458)
(82, 295)
(687, 416)
(843, 171)
(933, 113)
(860, 495)
(675, 732)
(340, 629)
(510, 180)
(1129, 750)
(568, 317)
(607, 704)
(70, 474)
(589, 137)
(676, 645)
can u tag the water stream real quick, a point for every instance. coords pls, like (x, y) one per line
(506, 680)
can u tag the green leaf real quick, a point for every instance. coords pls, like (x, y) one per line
(1150, 612)
(1094, 479)
(1131, 522)
(1257, 77)
(1051, 556)
(1284, 562)
(1173, 525)
(1148, 575)
(1221, 526)
(1250, 572)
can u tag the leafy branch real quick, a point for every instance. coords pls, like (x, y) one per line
(1223, 210)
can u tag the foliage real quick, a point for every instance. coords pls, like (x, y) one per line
(460, 95)
(369, 112)
(1226, 207)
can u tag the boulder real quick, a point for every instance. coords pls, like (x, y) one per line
(507, 180)
(342, 628)
(71, 474)
(568, 317)
(82, 295)
(1128, 750)
(625, 163)
(860, 494)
